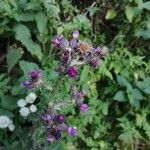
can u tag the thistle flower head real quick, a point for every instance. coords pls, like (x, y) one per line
(76, 52)
(72, 131)
(83, 107)
(75, 34)
(72, 71)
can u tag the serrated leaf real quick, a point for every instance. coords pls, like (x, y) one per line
(144, 33)
(13, 56)
(27, 67)
(120, 96)
(41, 21)
(122, 81)
(111, 13)
(24, 36)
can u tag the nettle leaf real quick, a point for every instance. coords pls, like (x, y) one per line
(131, 12)
(111, 13)
(27, 67)
(13, 56)
(122, 81)
(120, 96)
(24, 36)
(41, 21)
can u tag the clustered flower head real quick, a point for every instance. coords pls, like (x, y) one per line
(78, 98)
(75, 52)
(55, 126)
(6, 122)
(22, 103)
(34, 81)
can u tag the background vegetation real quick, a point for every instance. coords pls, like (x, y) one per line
(118, 92)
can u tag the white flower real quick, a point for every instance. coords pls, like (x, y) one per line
(11, 127)
(33, 108)
(31, 97)
(24, 111)
(21, 103)
(4, 121)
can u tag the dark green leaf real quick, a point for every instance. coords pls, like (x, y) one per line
(120, 96)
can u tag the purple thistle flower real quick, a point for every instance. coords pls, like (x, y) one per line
(61, 118)
(75, 34)
(73, 43)
(27, 84)
(35, 74)
(60, 42)
(50, 139)
(72, 71)
(94, 63)
(72, 131)
(83, 107)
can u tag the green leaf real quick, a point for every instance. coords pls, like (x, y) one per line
(6, 112)
(41, 21)
(147, 90)
(24, 36)
(131, 12)
(13, 56)
(146, 5)
(111, 13)
(120, 96)
(9, 102)
(137, 94)
(122, 81)
(27, 67)
(144, 33)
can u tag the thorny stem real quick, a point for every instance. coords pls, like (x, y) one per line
(76, 62)
(47, 86)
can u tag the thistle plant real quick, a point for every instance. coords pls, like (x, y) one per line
(73, 54)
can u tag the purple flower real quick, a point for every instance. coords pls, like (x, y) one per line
(83, 107)
(50, 139)
(27, 84)
(61, 118)
(35, 74)
(75, 34)
(94, 63)
(73, 43)
(60, 42)
(61, 69)
(72, 71)
(72, 131)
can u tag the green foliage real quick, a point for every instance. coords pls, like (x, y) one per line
(118, 92)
